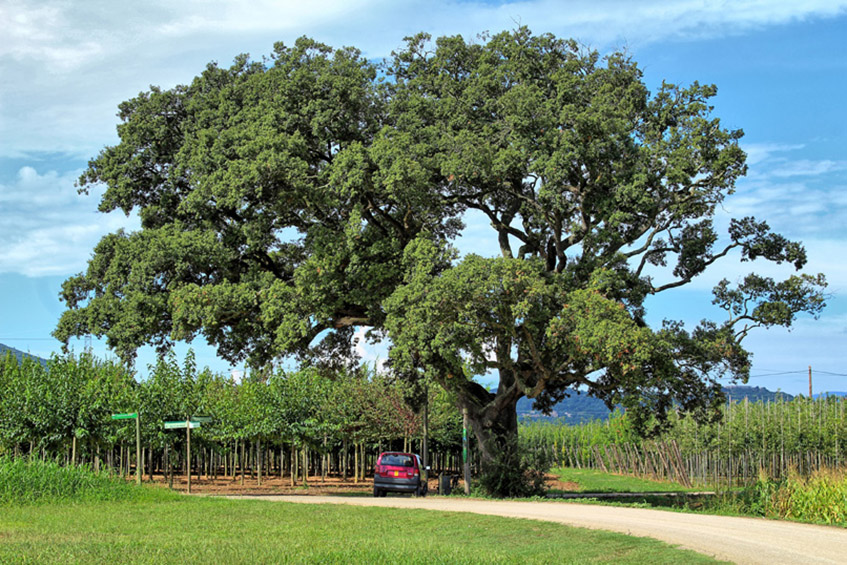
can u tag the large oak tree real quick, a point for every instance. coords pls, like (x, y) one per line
(285, 203)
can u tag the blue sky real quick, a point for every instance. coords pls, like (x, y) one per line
(780, 67)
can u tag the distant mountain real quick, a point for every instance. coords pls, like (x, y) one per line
(754, 394)
(575, 409)
(830, 393)
(580, 408)
(4, 349)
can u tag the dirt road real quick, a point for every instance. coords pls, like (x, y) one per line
(740, 540)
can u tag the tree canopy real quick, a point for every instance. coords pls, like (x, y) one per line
(286, 202)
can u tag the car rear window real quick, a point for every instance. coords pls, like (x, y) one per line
(397, 460)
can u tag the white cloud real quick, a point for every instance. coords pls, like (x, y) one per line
(66, 65)
(759, 152)
(46, 228)
(807, 167)
(368, 351)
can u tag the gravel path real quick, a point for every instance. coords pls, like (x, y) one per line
(740, 540)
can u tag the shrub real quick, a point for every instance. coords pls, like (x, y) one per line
(25, 482)
(516, 472)
(821, 498)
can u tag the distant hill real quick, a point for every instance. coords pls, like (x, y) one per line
(754, 394)
(580, 408)
(575, 409)
(4, 349)
(830, 393)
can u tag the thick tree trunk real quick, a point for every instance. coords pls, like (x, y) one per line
(493, 416)
(495, 426)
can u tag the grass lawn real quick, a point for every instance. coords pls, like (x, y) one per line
(205, 530)
(591, 480)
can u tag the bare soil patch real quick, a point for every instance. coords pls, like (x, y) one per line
(317, 486)
(554, 483)
(274, 485)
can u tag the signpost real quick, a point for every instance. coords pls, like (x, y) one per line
(181, 425)
(134, 416)
(191, 423)
(465, 463)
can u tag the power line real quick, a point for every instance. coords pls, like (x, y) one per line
(778, 374)
(833, 374)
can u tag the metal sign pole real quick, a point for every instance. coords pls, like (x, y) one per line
(133, 416)
(138, 450)
(188, 424)
(188, 449)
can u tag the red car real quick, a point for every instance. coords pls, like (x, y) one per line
(399, 472)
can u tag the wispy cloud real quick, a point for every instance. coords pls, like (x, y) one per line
(759, 152)
(46, 228)
(66, 66)
(807, 168)
(800, 196)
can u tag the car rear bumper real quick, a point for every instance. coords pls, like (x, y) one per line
(397, 484)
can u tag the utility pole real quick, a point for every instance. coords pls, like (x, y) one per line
(810, 382)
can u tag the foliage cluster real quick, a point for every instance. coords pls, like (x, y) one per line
(67, 405)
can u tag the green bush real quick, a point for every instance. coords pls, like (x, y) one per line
(516, 472)
(820, 498)
(26, 482)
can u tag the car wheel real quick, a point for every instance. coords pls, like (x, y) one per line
(378, 493)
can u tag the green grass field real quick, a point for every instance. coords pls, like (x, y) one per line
(54, 514)
(205, 530)
(591, 480)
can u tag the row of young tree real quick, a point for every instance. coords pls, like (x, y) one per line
(276, 421)
(801, 435)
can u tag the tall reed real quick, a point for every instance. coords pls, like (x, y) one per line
(24, 481)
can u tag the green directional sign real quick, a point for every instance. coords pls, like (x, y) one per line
(187, 425)
(202, 419)
(134, 416)
(181, 425)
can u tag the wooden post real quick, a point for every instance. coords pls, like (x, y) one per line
(465, 460)
(259, 462)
